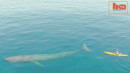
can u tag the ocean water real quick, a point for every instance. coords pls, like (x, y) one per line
(52, 26)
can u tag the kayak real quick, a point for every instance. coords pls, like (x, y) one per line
(111, 53)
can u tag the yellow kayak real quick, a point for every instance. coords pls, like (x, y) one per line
(111, 53)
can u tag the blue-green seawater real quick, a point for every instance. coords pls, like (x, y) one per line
(52, 26)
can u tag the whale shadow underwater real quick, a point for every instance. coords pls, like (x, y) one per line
(43, 57)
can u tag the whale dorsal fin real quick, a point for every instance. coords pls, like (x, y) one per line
(37, 63)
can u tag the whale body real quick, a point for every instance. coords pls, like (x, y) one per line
(43, 57)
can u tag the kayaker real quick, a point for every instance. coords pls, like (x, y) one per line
(117, 52)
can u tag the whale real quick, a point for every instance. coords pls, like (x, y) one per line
(37, 58)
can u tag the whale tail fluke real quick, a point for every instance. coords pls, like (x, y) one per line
(86, 48)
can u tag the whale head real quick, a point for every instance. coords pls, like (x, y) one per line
(13, 59)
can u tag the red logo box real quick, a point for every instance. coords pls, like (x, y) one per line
(117, 7)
